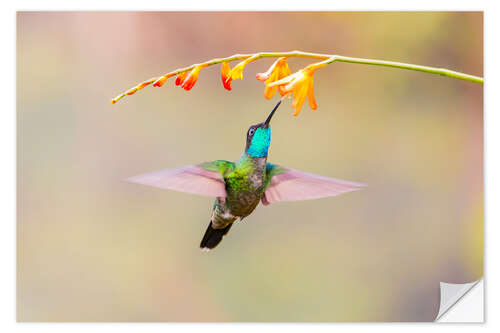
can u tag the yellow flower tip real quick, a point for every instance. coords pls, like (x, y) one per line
(113, 101)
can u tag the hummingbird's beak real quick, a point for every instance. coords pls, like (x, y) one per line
(268, 120)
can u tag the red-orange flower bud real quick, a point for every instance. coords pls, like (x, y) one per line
(226, 79)
(180, 78)
(191, 79)
(161, 80)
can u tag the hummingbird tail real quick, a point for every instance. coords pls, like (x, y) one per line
(213, 236)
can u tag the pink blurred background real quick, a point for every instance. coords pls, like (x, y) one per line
(92, 247)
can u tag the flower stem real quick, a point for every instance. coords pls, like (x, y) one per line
(327, 59)
(426, 69)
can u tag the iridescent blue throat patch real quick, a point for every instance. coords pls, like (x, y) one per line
(260, 142)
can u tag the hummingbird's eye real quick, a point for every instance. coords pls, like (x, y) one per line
(251, 131)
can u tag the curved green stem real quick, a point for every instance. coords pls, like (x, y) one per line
(426, 69)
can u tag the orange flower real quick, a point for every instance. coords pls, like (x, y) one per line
(301, 85)
(191, 79)
(278, 70)
(180, 78)
(224, 72)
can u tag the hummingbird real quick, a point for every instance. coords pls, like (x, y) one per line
(238, 187)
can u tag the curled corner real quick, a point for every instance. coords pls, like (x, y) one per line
(451, 293)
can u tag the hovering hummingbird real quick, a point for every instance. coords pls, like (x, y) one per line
(240, 186)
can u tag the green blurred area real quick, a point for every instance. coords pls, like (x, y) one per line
(92, 247)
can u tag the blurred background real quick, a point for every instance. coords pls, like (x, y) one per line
(92, 247)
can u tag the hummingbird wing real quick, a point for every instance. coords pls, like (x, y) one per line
(202, 179)
(285, 184)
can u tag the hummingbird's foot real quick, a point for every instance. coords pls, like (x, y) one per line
(205, 249)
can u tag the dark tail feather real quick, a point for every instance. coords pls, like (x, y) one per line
(213, 236)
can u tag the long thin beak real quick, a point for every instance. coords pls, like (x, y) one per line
(268, 120)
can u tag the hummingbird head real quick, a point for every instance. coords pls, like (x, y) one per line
(259, 137)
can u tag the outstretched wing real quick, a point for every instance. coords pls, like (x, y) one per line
(286, 184)
(202, 179)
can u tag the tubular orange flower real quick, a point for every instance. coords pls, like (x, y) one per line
(301, 85)
(224, 72)
(180, 78)
(278, 70)
(191, 79)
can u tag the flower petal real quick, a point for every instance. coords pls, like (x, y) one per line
(275, 67)
(226, 79)
(191, 79)
(161, 80)
(262, 76)
(285, 80)
(283, 69)
(282, 91)
(180, 78)
(299, 96)
(237, 71)
(310, 96)
(269, 92)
